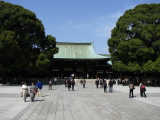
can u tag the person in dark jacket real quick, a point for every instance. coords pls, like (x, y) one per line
(73, 83)
(111, 86)
(105, 86)
(97, 82)
(69, 84)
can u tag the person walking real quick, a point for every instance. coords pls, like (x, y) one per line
(50, 84)
(105, 86)
(131, 88)
(33, 91)
(143, 89)
(73, 83)
(69, 84)
(97, 82)
(84, 82)
(111, 86)
(39, 86)
(24, 91)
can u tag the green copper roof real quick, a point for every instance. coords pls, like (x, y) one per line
(76, 51)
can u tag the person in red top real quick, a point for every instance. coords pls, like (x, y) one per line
(143, 89)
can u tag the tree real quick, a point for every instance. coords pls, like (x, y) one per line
(135, 41)
(22, 40)
(42, 64)
(49, 46)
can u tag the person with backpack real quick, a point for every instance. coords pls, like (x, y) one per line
(143, 89)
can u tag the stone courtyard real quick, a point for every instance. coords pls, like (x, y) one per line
(87, 103)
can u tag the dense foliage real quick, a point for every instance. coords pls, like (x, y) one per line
(22, 42)
(135, 41)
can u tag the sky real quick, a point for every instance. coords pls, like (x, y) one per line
(80, 20)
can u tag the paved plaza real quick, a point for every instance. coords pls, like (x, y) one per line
(87, 103)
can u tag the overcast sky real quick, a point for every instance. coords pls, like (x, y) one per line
(80, 20)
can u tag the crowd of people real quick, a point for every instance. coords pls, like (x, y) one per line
(110, 82)
(70, 83)
(104, 84)
(31, 91)
(35, 89)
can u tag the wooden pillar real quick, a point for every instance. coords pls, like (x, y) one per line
(61, 70)
(75, 69)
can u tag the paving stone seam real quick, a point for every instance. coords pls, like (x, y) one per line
(19, 115)
(22, 112)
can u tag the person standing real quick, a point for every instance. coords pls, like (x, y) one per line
(21, 86)
(105, 86)
(50, 84)
(131, 87)
(123, 82)
(111, 86)
(24, 91)
(73, 83)
(55, 80)
(143, 89)
(65, 82)
(39, 85)
(101, 83)
(33, 91)
(84, 82)
(118, 81)
(140, 88)
(97, 82)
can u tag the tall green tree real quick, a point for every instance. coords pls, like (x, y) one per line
(135, 41)
(22, 39)
(42, 64)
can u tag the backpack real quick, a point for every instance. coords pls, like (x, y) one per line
(142, 86)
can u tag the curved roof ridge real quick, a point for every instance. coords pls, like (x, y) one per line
(73, 43)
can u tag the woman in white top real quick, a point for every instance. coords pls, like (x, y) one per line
(24, 91)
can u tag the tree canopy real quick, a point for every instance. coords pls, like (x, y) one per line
(135, 41)
(22, 40)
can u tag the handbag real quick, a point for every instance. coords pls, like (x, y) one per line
(133, 87)
(28, 95)
(35, 92)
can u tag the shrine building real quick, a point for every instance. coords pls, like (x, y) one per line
(80, 60)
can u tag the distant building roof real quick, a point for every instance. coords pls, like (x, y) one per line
(70, 50)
